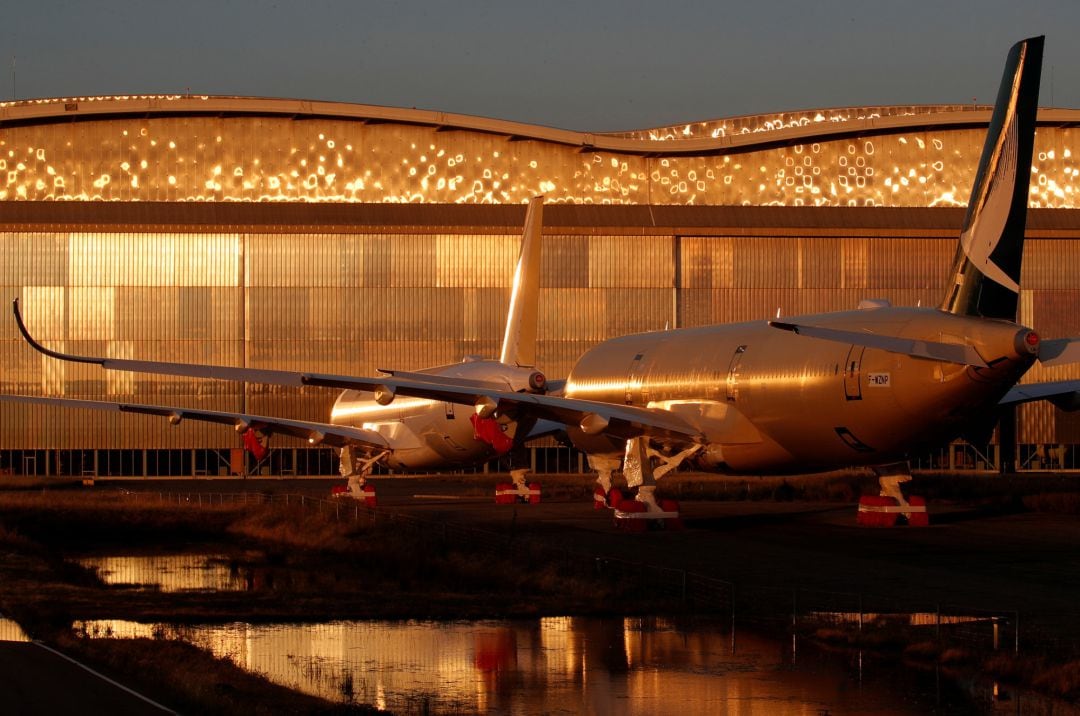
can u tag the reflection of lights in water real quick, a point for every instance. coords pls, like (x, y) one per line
(169, 573)
(11, 631)
(575, 665)
(909, 618)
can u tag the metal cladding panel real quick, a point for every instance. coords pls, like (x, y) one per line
(1051, 264)
(572, 314)
(1035, 423)
(909, 263)
(635, 310)
(321, 260)
(1055, 313)
(475, 261)
(352, 301)
(630, 261)
(706, 262)
(40, 259)
(483, 315)
(761, 262)
(820, 264)
(564, 260)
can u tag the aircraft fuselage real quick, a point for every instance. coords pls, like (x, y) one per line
(771, 401)
(429, 434)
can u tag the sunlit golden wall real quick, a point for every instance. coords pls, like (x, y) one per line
(352, 300)
(253, 158)
(351, 303)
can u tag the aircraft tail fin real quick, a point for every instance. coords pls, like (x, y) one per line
(986, 270)
(519, 341)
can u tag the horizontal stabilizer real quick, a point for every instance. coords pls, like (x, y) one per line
(316, 433)
(1065, 394)
(948, 352)
(1060, 351)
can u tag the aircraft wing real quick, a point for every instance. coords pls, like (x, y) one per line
(948, 352)
(1065, 394)
(1059, 351)
(317, 433)
(620, 421)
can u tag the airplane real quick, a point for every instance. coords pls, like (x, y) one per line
(866, 387)
(408, 435)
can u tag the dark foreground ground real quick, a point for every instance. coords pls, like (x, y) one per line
(438, 547)
(993, 554)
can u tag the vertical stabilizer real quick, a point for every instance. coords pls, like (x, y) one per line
(519, 343)
(986, 271)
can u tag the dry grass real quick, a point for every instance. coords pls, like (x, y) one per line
(194, 681)
(20, 483)
(923, 651)
(87, 517)
(1063, 679)
(1062, 503)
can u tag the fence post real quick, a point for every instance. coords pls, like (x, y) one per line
(733, 617)
(794, 610)
(1016, 635)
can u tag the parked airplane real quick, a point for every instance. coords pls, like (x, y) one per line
(866, 387)
(371, 427)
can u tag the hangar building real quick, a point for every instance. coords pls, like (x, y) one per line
(345, 238)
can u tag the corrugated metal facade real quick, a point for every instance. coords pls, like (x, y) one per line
(351, 303)
(269, 242)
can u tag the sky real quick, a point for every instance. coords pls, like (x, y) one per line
(595, 66)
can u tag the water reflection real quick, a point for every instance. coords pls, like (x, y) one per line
(171, 572)
(573, 665)
(11, 631)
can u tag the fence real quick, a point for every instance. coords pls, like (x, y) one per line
(869, 618)
(292, 462)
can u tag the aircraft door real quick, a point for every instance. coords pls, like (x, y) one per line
(853, 373)
(634, 378)
(733, 374)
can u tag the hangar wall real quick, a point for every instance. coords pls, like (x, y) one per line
(290, 242)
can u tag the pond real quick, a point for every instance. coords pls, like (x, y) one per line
(172, 572)
(11, 631)
(562, 665)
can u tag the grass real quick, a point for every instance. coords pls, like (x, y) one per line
(192, 680)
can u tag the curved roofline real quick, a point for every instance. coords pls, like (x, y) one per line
(45, 110)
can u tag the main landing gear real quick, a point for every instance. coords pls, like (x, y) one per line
(356, 470)
(891, 508)
(636, 514)
(507, 493)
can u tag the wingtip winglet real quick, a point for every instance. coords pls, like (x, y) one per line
(40, 348)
